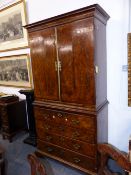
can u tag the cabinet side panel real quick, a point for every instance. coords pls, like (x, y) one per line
(100, 63)
(102, 125)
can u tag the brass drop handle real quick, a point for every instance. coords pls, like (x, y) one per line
(75, 134)
(76, 146)
(59, 115)
(76, 160)
(48, 138)
(75, 122)
(49, 149)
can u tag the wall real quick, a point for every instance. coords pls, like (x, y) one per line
(117, 29)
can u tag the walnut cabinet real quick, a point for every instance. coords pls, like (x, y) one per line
(68, 56)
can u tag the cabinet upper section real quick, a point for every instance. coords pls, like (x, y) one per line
(95, 11)
(65, 50)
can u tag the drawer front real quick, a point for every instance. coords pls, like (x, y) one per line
(69, 156)
(68, 119)
(72, 133)
(74, 145)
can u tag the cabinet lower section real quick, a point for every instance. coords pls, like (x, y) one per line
(83, 163)
(68, 137)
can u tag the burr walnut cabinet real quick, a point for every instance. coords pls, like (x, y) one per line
(68, 56)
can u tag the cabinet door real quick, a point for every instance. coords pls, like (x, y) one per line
(76, 54)
(43, 57)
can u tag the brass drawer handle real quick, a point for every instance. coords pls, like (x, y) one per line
(48, 138)
(76, 160)
(75, 134)
(76, 146)
(59, 115)
(49, 149)
(75, 122)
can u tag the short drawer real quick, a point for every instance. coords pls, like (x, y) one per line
(67, 155)
(72, 133)
(68, 119)
(71, 144)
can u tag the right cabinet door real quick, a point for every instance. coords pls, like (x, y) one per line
(76, 55)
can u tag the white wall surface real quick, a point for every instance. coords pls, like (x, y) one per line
(117, 29)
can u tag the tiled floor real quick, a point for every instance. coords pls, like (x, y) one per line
(17, 164)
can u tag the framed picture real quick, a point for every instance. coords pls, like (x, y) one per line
(6, 3)
(15, 71)
(129, 69)
(12, 33)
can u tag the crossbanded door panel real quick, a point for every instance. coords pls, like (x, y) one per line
(43, 59)
(76, 54)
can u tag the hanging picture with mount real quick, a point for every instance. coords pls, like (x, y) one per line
(12, 33)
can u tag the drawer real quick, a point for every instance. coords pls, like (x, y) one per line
(77, 134)
(68, 119)
(74, 145)
(67, 155)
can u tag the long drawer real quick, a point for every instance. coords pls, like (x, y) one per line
(67, 155)
(68, 119)
(73, 133)
(71, 144)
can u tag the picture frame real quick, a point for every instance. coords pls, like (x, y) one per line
(129, 68)
(6, 3)
(12, 33)
(16, 71)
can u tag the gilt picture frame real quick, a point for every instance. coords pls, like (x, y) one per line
(6, 3)
(12, 33)
(16, 71)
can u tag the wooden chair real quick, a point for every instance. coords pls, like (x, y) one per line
(110, 152)
(107, 153)
(36, 166)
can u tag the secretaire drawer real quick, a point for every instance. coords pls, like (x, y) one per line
(71, 144)
(69, 119)
(67, 155)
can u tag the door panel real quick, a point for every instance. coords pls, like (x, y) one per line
(76, 53)
(45, 76)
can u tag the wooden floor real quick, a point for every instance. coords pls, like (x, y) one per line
(17, 164)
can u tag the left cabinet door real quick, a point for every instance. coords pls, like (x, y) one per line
(44, 67)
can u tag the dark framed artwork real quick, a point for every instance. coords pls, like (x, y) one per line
(15, 71)
(129, 69)
(12, 33)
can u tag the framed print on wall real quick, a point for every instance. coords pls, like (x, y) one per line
(12, 33)
(15, 71)
(6, 3)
